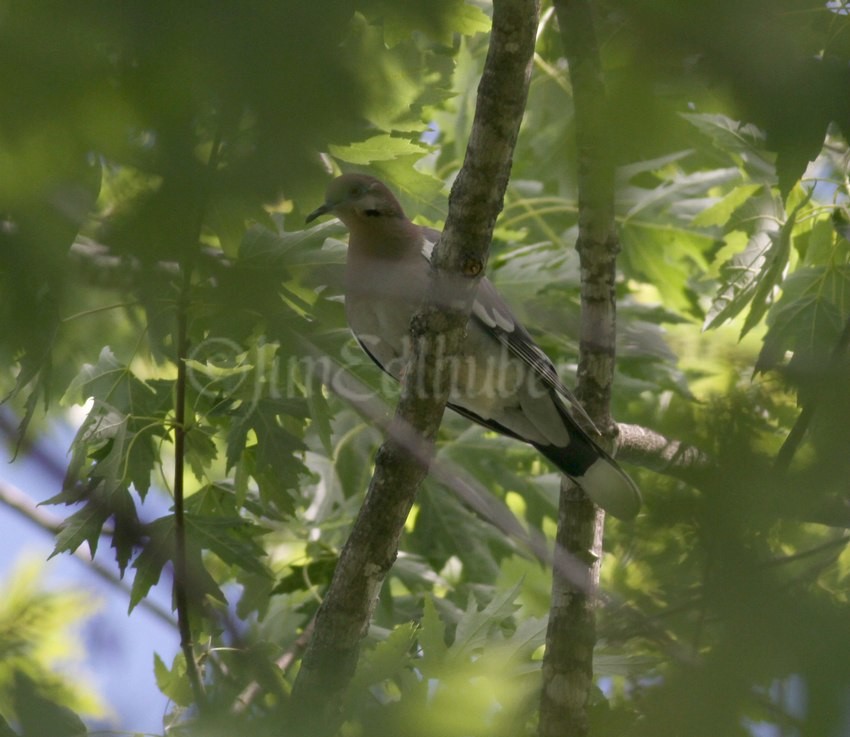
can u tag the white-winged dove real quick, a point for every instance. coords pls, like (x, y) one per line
(502, 380)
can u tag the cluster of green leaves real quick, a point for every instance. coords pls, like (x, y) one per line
(735, 261)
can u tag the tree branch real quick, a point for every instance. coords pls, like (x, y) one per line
(643, 447)
(437, 332)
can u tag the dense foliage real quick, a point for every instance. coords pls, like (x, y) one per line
(157, 163)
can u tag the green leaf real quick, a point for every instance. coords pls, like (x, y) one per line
(378, 148)
(807, 319)
(678, 194)
(387, 658)
(237, 436)
(276, 445)
(140, 460)
(318, 572)
(112, 383)
(741, 273)
(818, 245)
(200, 450)
(320, 414)
(440, 19)
(256, 595)
(394, 76)
(199, 581)
(156, 552)
(743, 140)
(421, 194)
(475, 626)
(105, 485)
(231, 538)
(529, 635)
(664, 257)
(40, 716)
(114, 446)
(529, 270)
(217, 373)
(159, 549)
(775, 261)
(721, 212)
(107, 372)
(263, 249)
(173, 682)
(445, 527)
(212, 500)
(432, 638)
(82, 526)
(468, 19)
(34, 372)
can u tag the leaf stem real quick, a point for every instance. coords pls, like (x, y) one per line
(181, 583)
(96, 310)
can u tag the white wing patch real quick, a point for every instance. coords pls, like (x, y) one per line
(428, 245)
(493, 318)
(503, 321)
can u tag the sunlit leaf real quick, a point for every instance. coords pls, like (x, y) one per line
(741, 274)
(173, 681)
(379, 148)
(771, 275)
(720, 213)
(475, 625)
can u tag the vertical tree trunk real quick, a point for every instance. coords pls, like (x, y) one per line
(571, 635)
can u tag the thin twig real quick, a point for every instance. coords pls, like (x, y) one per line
(181, 573)
(284, 663)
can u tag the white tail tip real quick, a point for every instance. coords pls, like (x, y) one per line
(611, 488)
